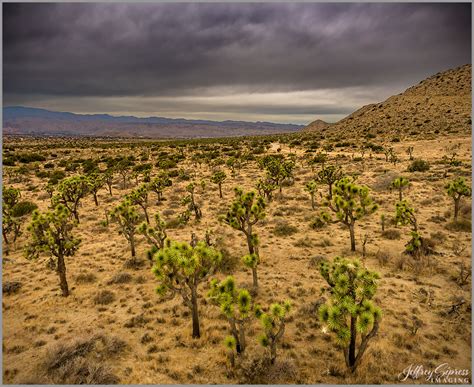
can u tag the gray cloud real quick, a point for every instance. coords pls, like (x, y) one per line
(73, 51)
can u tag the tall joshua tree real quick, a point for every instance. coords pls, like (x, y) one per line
(218, 178)
(126, 215)
(350, 312)
(96, 182)
(399, 184)
(246, 210)
(236, 305)
(139, 196)
(155, 235)
(329, 175)
(70, 192)
(190, 200)
(457, 189)
(158, 185)
(51, 233)
(180, 268)
(350, 203)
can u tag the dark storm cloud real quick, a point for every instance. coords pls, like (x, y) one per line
(111, 50)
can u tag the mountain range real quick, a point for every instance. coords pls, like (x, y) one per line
(23, 120)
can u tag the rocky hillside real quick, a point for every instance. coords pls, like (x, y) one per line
(440, 104)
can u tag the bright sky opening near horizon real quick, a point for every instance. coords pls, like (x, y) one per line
(277, 62)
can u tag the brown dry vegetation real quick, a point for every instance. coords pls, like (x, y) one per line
(115, 328)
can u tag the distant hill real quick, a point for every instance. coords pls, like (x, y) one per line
(33, 121)
(316, 125)
(441, 104)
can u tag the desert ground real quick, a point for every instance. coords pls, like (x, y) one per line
(129, 334)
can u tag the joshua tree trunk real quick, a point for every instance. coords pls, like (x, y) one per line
(242, 337)
(255, 278)
(110, 189)
(146, 215)
(132, 246)
(330, 191)
(76, 215)
(61, 269)
(95, 199)
(456, 208)
(353, 242)
(273, 352)
(312, 201)
(400, 196)
(352, 346)
(220, 191)
(195, 312)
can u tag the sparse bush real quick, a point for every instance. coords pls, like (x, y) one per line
(418, 166)
(283, 229)
(104, 297)
(391, 234)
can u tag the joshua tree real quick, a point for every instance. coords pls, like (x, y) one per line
(246, 210)
(139, 196)
(329, 175)
(349, 310)
(410, 152)
(265, 188)
(351, 202)
(180, 268)
(382, 222)
(231, 346)
(312, 187)
(156, 235)
(70, 192)
(399, 184)
(109, 179)
(273, 324)
(96, 182)
(11, 197)
(278, 169)
(218, 178)
(405, 215)
(158, 185)
(125, 214)
(457, 189)
(124, 168)
(51, 233)
(236, 304)
(191, 202)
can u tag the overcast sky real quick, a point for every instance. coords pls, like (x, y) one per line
(269, 62)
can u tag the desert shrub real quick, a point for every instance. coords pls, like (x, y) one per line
(463, 225)
(391, 234)
(283, 229)
(26, 158)
(77, 361)
(86, 278)
(104, 297)
(419, 165)
(23, 208)
(257, 369)
(11, 287)
(120, 278)
(383, 257)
